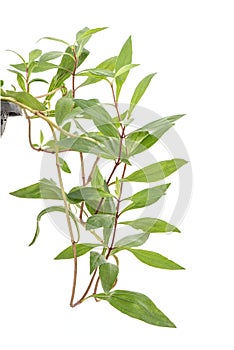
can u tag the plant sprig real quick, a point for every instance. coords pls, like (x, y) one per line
(92, 203)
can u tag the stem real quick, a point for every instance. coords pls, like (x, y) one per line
(74, 73)
(87, 290)
(117, 214)
(66, 206)
(83, 182)
(49, 93)
(26, 79)
(117, 163)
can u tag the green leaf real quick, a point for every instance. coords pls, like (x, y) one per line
(136, 305)
(146, 197)
(108, 65)
(21, 81)
(96, 260)
(156, 171)
(41, 137)
(45, 189)
(83, 36)
(33, 55)
(43, 66)
(65, 70)
(67, 128)
(124, 58)
(81, 249)
(26, 99)
(117, 187)
(53, 39)
(125, 69)
(1, 83)
(49, 210)
(103, 73)
(38, 80)
(51, 55)
(151, 225)
(102, 120)
(141, 139)
(108, 274)
(80, 194)
(154, 259)
(62, 108)
(80, 144)
(64, 166)
(139, 91)
(97, 178)
(100, 220)
(17, 54)
(133, 240)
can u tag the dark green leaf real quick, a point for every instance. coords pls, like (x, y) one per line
(124, 58)
(49, 210)
(138, 306)
(33, 55)
(154, 259)
(26, 99)
(45, 189)
(146, 197)
(62, 108)
(80, 194)
(100, 220)
(150, 225)
(108, 274)
(156, 171)
(81, 249)
(133, 240)
(1, 83)
(64, 166)
(96, 260)
(139, 91)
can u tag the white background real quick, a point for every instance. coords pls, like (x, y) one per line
(190, 45)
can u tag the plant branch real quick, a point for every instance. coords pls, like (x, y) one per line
(66, 206)
(87, 290)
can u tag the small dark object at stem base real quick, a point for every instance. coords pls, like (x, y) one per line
(8, 109)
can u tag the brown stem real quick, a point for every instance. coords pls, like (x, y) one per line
(117, 214)
(87, 290)
(83, 182)
(74, 73)
(116, 106)
(117, 163)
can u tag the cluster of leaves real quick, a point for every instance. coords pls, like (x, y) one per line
(99, 198)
